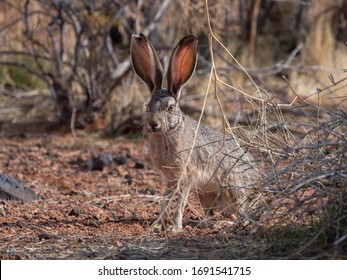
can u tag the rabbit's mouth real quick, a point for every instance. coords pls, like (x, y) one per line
(154, 130)
(155, 127)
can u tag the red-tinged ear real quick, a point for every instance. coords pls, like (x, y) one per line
(145, 62)
(182, 64)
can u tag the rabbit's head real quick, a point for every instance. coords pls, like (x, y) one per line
(163, 111)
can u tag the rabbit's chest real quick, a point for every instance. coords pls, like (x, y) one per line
(166, 159)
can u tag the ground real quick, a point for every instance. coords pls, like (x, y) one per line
(93, 214)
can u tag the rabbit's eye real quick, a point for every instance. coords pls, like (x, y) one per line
(171, 108)
(146, 108)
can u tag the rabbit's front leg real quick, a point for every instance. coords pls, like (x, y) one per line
(165, 205)
(182, 199)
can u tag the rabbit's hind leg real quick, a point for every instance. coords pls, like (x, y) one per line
(228, 204)
(208, 200)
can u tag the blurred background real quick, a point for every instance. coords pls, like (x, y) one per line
(66, 63)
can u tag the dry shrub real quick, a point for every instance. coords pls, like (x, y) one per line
(300, 206)
(78, 49)
(304, 187)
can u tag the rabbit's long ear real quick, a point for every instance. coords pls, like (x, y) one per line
(182, 64)
(146, 63)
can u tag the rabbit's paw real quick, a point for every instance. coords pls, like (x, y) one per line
(158, 226)
(174, 228)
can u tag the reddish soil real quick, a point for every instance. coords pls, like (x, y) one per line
(84, 214)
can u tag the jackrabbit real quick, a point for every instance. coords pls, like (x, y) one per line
(216, 168)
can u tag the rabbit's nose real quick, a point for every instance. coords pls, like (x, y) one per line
(154, 125)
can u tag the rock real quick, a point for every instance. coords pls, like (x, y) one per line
(100, 161)
(120, 160)
(139, 164)
(128, 178)
(13, 189)
(75, 212)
